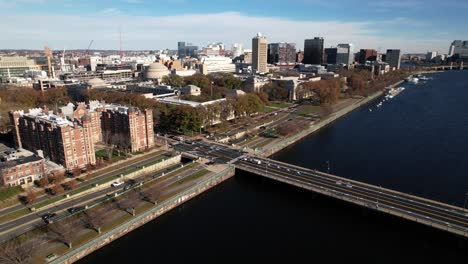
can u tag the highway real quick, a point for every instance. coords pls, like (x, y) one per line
(145, 160)
(217, 153)
(34, 220)
(439, 215)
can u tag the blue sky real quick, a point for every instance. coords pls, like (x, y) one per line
(411, 25)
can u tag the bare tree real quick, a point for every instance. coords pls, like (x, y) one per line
(95, 218)
(63, 231)
(129, 202)
(151, 195)
(19, 250)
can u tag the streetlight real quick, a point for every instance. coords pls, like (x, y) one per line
(211, 84)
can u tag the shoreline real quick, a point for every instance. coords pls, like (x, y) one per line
(290, 140)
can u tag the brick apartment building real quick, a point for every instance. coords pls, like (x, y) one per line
(21, 171)
(65, 142)
(69, 137)
(133, 126)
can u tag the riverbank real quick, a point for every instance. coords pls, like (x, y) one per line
(280, 144)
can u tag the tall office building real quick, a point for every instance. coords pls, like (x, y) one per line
(282, 53)
(451, 50)
(431, 55)
(186, 50)
(347, 58)
(331, 55)
(313, 51)
(259, 53)
(393, 58)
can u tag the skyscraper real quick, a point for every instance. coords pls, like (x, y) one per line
(313, 51)
(393, 58)
(460, 49)
(259, 53)
(349, 57)
(282, 53)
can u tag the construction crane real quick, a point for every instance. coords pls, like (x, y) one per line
(89, 46)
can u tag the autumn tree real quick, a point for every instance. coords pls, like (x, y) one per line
(30, 197)
(57, 189)
(70, 185)
(57, 177)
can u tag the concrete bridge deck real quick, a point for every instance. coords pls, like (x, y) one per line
(432, 213)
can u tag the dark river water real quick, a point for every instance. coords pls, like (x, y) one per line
(416, 142)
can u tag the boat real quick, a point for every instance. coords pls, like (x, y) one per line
(392, 92)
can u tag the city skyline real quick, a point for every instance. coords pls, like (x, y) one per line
(31, 24)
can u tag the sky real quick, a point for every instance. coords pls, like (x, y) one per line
(414, 26)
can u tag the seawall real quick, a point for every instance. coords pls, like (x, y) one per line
(322, 123)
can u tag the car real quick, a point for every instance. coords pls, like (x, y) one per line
(338, 182)
(116, 183)
(262, 127)
(73, 210)
(349, 185)
(47, 216)
(289, 119)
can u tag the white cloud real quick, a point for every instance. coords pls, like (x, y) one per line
(159, 32)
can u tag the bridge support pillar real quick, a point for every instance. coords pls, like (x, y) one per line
(451, 65)
(461, 65)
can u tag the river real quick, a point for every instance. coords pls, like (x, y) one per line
(415, 143)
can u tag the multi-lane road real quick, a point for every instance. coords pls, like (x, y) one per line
(34, 220)
(436, 214)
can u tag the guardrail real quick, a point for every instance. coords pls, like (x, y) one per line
(141, 217)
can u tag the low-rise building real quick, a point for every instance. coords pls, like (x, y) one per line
(191, 90)
(21, 170)
(216, 64)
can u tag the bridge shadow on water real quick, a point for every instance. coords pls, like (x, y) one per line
(250, 218)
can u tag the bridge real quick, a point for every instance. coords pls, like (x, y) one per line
(421, 210)
(452, 66)
(432, 213)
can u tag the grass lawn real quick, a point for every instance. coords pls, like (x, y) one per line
(115, 155)
(264, 143)
(279, 104)
(308, 109)
(267, 109)
(14, 215)
(192, 177)
(9, 192)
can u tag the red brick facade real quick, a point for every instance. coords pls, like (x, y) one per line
(64, 142)
(21, 171)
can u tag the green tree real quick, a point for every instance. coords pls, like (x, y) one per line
(173, 80)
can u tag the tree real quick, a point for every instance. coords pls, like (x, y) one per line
(19, 250)
(173, 80)
(30, 197)
(76, 172)
(43, 182)
(95, 218)
(109, 139)
(129, 202)
(57, 176)
(151, 195)
(63, 231)
(57, 189)
(71, 185)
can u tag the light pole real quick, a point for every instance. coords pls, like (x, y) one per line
(211, 85)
